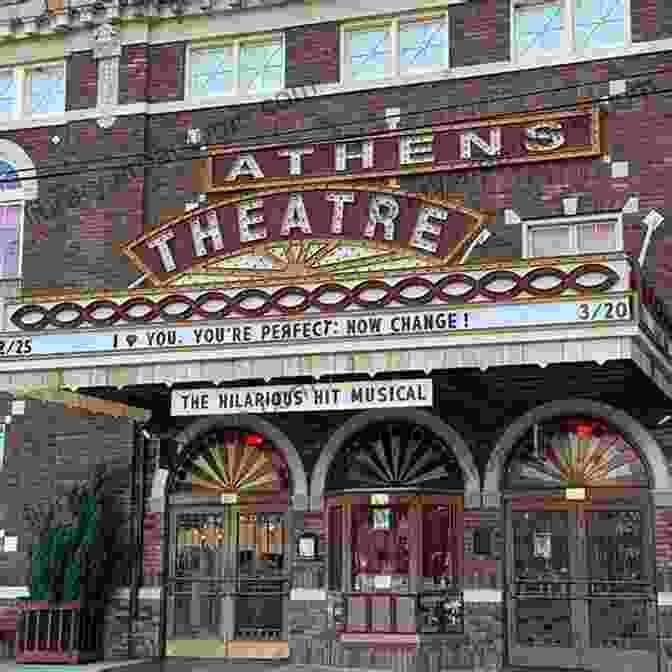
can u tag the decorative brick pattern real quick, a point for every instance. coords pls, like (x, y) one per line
(312, 55)
(166, 72)
(664, 538)
(81, 81)
(133, 74)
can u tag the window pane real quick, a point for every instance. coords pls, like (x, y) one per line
(261, 67)
(47, 90)
(597, 237)
(538, 27)
(549, 241)
(9, 244)
(368, 53)
(9, 182)
(211, 71)
(7, 92)
(600, 23)
(423, 44)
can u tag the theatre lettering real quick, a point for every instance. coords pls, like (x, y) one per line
(428, 225)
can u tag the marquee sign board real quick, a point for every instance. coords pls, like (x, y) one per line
(430, 227)
(271, 331)
(314, 397)
(500, 140)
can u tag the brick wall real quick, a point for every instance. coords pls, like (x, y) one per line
(166, 72)
(479, 32)
(312, 55)
(81, 81)
(133, 73)
(45, 449)
(152, 558)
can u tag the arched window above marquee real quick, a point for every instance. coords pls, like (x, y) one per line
(574, 452)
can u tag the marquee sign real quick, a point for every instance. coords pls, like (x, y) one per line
(431, 322)
(502, 140)
(302, 397)
(430, 227)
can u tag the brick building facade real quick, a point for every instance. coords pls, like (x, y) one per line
(452, 219)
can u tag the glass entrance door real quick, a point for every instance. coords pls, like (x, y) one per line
(580, 589)
(228, 580)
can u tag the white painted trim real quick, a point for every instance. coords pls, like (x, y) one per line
(482, 595)
(572, 221)
(568, 40)
(562, 334)
(500, 67)
(12, 592)
(236, 43)
(308, 594)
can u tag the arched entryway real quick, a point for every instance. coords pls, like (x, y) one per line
(227, 579)
(394, 497)
(580, 572)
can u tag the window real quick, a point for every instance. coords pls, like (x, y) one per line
(543, 28)
(577, 235)
(11, 215)
(29, 91)
(394, 47)
(242, 67)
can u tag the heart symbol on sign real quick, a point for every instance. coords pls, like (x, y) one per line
(131, 339)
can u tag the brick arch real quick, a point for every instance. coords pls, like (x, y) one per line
(254, 423)
(431, 422)
(631, 429)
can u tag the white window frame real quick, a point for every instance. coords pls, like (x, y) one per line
(568, 40)
(22, 102)
(393, 24)
(236, 44)
(15, 200)
(573, 223)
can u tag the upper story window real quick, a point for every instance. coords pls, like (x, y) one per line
(240, 67)
(547, 28)
(571, 236)
(11, 216)
(35, 90)
(394, 47)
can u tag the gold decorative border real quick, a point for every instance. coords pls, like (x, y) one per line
(580, 151)
(128, 249)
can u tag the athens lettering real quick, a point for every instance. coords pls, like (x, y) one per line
(356, 213)
(515, 139)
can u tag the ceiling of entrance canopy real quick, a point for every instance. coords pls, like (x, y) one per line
(305, 260)
(395, 455)
(233, 463)
(574, 452)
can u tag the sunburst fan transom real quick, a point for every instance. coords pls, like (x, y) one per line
(230, 465)
(575, 453)
(396, 456)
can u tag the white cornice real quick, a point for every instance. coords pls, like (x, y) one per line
(30, 20)
(224, 102)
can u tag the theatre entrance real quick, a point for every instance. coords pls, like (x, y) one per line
(228, 579)
(580, 589)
